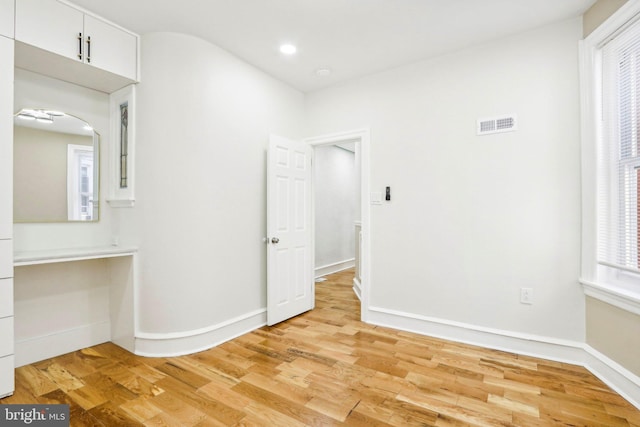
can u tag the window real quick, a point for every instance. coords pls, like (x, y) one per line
(124, 143)
(618, 155)
(80, 176)
(611, 159)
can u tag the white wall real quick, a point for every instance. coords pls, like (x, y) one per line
(335, 205)
(37, 91)
(474, 219)
(60, 307)
(203, 122)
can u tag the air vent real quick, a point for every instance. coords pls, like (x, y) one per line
(497, 124)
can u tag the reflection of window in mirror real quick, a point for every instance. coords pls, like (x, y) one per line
(80, 182)
(124, 143)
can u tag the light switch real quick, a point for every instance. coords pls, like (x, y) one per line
(376, 198)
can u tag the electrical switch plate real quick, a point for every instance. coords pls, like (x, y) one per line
(526, 295)
(376, 198)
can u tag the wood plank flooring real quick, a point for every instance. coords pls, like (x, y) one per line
(323, 368)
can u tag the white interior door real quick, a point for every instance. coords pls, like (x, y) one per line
(290, 285)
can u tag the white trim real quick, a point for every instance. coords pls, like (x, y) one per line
(590, 99)
(588, 130)
(332, 138)
(188, 342)
(525, 344)
(611, 373)
(620, 379)
(620, 19)
(617, 297)
(34, 349)
(335, 267)
(357, 289)
(362, 138)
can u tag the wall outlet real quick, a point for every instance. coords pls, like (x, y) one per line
(526, 295)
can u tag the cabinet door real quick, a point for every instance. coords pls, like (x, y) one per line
(6, 336)
(6, 18)
(6, 375)
(6, 298)
(112, 49)
(50, 25)
(6, 138)
(6, 258)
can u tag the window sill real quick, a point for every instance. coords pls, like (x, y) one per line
(619, 297)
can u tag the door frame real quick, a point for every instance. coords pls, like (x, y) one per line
(362, 140)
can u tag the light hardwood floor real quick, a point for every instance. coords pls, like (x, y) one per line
(323, 368)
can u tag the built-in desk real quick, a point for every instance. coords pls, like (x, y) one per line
(73, 254)
(67, 299)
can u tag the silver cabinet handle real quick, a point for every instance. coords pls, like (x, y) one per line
(275, 240)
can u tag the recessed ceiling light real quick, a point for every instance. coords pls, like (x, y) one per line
(288, 49)
(323, 72)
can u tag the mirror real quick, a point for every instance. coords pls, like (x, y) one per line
(55, 167)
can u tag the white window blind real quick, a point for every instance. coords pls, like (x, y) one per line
(618, 153)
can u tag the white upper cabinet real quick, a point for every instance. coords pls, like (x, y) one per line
(6, 18)
(51, 26)
(61, 41)
(110, 48)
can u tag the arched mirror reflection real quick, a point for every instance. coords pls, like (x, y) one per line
(55, 167)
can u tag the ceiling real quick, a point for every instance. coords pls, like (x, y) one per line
(62, 124)
(352, 38)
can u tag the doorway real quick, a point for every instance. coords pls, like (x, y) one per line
(359, 140)
(336, 190)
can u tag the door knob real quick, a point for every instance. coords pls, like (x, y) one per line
(275, 240)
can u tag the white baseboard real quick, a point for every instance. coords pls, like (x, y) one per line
(624, 382)
(615, 376)
(181, 343)
(357, 288)
(34, 349)
(335, 267)
(525, 344)
(146, 344)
